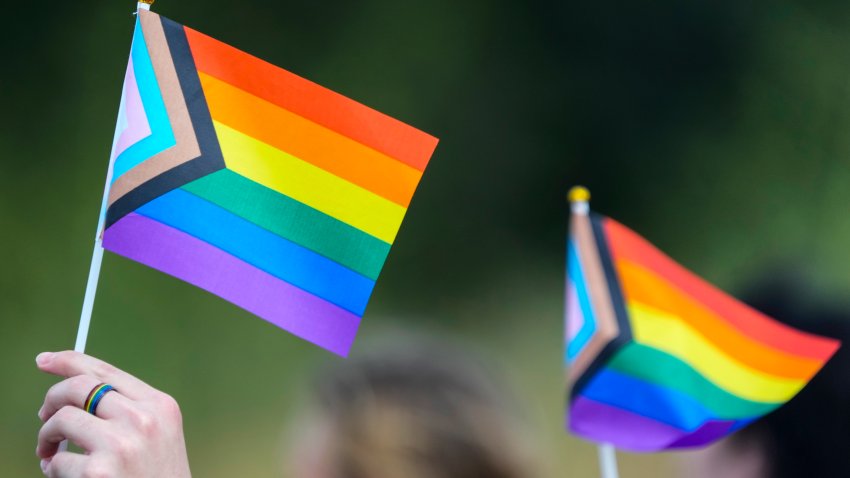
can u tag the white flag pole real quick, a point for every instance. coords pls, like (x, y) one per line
(97, 254)
(91, 289)
(608, 461)
(579, 198)
(94, 268)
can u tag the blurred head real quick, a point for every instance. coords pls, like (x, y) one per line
(414, 412)
(810, 435)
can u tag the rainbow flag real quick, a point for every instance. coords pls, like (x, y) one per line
(254, 184)
(659, 359)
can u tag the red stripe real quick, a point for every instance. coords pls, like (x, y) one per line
(626, 244)
(311, 101)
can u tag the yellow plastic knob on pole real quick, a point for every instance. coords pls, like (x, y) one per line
(578, 194)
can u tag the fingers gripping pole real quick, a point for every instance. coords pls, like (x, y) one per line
(608, 461)
(91, 285)
(94, 275)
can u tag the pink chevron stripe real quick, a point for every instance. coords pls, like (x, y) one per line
(575, 319)
(131, 115)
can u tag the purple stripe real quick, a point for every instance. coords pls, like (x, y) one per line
(708, 433)
(603, 423)
(606, 424)
(196, 262)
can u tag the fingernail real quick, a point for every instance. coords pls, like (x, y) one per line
(40, 411)
(43, 358)
(44, 464)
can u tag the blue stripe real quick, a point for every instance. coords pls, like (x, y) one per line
(162, 136)
(739, 424)
(643, 398)
(589, 326)
(265, 250)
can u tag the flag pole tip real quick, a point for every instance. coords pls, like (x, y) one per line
(578, 194)
(145, 4)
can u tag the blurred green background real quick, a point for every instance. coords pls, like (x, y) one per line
(716, 129)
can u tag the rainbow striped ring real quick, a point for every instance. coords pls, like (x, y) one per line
(95, 396)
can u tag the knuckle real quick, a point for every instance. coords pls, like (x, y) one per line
(144, 421)
(169, 406)
(127, 449)
(65, 413)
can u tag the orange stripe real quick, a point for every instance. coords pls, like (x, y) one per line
(311, 101)
(310, 142)
(643, 286)
(627, 245)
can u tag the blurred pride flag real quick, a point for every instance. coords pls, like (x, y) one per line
(659, 359)
(254, 184)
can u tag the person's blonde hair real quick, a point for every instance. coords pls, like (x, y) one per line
(419, 412)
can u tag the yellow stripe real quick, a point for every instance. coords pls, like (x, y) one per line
(667, 333)
(309, 184)
(322, 147)
(91, 396)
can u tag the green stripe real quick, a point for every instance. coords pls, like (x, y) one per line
(664, 370)
(293, 220)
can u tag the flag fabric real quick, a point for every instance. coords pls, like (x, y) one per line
(659, 359)
(255, 184)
